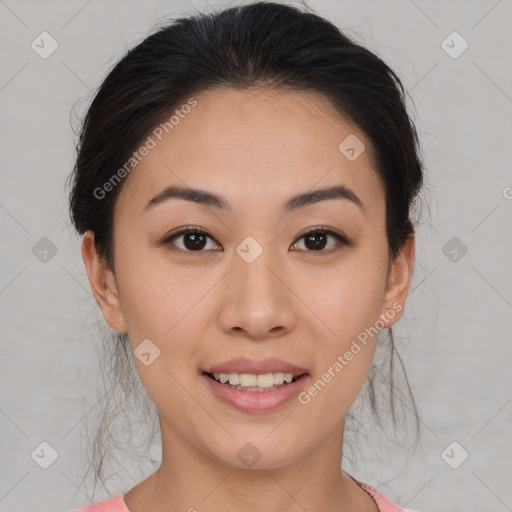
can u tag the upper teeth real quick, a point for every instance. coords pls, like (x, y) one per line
(266, 380)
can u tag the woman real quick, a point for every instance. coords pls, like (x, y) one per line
(243, 186)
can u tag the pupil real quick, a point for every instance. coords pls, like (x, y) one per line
(315, 238)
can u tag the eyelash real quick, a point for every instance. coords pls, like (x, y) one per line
(341, 239)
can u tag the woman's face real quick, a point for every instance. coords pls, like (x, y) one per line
(254, 287)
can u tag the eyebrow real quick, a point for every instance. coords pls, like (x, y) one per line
(294, 203)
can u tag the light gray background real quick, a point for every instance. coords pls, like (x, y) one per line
(455, 336)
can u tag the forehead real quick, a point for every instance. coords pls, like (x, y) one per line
(251, 142)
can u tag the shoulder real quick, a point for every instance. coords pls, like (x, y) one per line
(114, 504)
(384, 503)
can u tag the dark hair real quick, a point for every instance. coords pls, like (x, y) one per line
(259, 44)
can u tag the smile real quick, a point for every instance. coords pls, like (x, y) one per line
(255, 393)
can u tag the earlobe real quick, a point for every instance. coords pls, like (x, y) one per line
(103, 285)
(399, 280)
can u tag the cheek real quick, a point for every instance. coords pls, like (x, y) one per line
(348, 299)
(155, 292)
(164, 306)
(167, 304)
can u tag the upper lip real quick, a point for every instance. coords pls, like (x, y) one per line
(253, 366)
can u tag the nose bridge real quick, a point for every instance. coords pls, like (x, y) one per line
(252, 265)
(253, 270)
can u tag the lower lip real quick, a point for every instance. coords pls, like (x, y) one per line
(256, 401)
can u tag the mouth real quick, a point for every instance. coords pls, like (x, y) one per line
(255, 393)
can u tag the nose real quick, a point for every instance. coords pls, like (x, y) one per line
(257, 300)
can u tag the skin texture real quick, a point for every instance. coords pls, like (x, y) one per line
(257, 148)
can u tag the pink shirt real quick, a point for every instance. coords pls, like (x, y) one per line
(117, 504)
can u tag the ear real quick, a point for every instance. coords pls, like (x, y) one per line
(103, 285)
(397, 288)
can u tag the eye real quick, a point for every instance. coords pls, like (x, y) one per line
(316, 239)
(194, 239)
